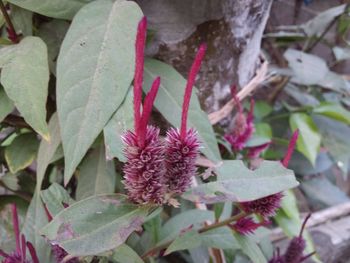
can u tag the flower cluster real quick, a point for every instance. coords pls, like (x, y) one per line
(157, 167)
(20, 254)
(246, 225)
(295, 249)
(243, 126)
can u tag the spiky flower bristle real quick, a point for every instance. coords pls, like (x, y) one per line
(246, 225)
(181, 155)
(266, 206)
(144, 169)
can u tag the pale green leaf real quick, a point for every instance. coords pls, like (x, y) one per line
(36, 218)
(47, 150)
(120, 122)
(188, 240)
(95, 225)
(221, 238)
(22, 20)
(27, 59)
(54, 198)
(334, 111)
(10, 181)
(64, 9)
(309, 138)
(251, 249)
(341, 53)
(125, 254)
(169, 102)
(94, 71)
(21, 152)
(96, 176)
(237, 183)
(6, 105)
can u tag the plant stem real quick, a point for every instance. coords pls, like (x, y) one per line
(201, 230)
(8, 22)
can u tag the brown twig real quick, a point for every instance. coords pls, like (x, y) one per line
(11, 29)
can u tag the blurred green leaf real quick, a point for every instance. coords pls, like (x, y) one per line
(6, 105)
(10, 181)
(333, 111)
(22, 20)
(125, 254)
(188, 240)
(237, 183)
(97, 46)
(96, 175)
(64, 9)
(341, 53)
(21, 152)
(27, 59)
(221, 238)
(96, 224)
(250, 248)
(309, 138)
(120, 122)
(169, 103)
(262, 109)
(55, 199)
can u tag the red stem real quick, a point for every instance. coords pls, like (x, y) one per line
(291, 147)
(147, 109)
(32, 252)
(24, 255)
(188, 91)
(3, 254)
(16, 227)
(138, 77)
(303, 226)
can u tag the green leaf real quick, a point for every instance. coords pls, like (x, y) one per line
(176, 224)
(220, 238)
(169, 103)
(188, 240)
(95, 225)
(94, 71)
(27, 59)
(22, 20)
(237, 183)
(262, 109)
(125, 254)
(309, 139)
(120, 122)
(250, 248)
(35, 219)
(53, 33)
(21, 152)
(6, 105)
(47, 150)
(64, 9)
(96, 176)
(54, 198)
(334, 111)
(10, 181)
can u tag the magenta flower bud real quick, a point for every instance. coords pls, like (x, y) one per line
(144, 169)
(266, 206)
(181, 155)
(59, 254)
(182, 147)
(246, 225)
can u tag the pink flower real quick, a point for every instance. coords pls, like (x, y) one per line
(144, 169)
(254, 152)
(182, 147)
(243, 126)
(246, 225)
(19, 255)
(267, 206)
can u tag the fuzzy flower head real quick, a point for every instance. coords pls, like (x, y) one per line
(182, 146)
(246, 225)
(243, 126)
(20, 254)
(144, 169)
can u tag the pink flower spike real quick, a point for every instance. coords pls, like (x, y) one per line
(246, 225)
(138, 77)
(291, 148)
(32, 252)
(250, 117)
(147, 109)
(188, 90)
(4, 254)
(24, 249)
(16, 228)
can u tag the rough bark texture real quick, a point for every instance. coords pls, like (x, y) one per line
(232, 30)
